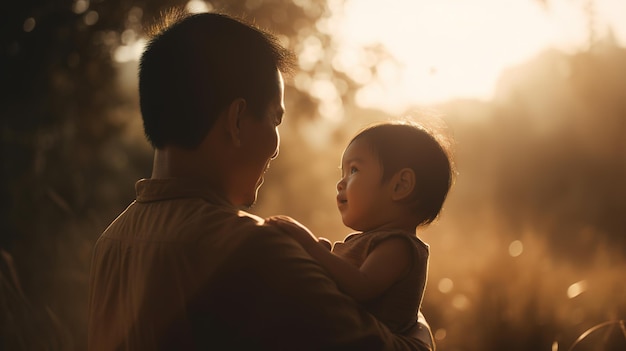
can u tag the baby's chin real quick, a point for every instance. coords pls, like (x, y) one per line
(350, 225)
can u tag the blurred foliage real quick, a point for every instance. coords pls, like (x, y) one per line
(69, 161)
(567, 124)
(544, 163)
(543, 166)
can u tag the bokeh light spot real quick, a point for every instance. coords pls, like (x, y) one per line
(128, 36)
(445, 285)
(131, 52)
(323, 89)
(440, 334)
(311, 53)
(302, 81)
(80, 6)
(135, 14)
(576, 289)
(460, 302)
(516, 248)
(29, 24)
(91, 18)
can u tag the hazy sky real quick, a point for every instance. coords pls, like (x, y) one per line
(457, 48)
(437, 50)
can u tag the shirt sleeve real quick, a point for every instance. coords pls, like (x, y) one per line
(294, 305)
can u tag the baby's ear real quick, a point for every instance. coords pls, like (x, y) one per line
(403, 183)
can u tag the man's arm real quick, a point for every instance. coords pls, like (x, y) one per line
(384, 266)
(293, 303)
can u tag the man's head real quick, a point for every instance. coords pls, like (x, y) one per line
(195, 67)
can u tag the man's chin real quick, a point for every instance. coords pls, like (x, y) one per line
(251, 201)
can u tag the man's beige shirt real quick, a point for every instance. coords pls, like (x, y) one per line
(181, 269)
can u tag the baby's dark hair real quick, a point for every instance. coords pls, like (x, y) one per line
(406, 144)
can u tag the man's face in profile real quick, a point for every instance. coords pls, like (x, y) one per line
(260, 142)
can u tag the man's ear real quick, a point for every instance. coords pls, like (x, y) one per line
(234, 114)
(402, 184)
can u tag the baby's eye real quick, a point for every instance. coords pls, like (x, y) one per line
(353, 170)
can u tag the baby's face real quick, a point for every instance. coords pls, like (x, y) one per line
(362, 198)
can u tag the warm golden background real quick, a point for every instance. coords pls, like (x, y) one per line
(530, 251)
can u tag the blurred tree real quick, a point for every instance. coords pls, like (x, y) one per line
(563, 156)
(60, 183)
(67, 168)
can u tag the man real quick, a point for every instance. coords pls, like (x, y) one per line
(182, 268)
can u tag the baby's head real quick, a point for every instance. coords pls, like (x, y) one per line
(404, 144)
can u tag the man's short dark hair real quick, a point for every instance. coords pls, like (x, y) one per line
(195, 67)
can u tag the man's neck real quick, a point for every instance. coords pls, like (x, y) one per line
(176, 162)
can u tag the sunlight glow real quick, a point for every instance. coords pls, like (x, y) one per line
(433, 51)
(130, 51)
(355, 64)
(440, 334)
(312, 53)
(198, 6)
(576, 289)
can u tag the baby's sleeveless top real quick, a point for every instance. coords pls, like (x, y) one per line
(397, 307)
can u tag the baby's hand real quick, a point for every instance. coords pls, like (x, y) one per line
(325, 243)
(295, 229)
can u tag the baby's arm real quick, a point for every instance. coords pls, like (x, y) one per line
(385, 265)
(299, 232)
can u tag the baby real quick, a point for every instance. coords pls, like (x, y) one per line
(395, 177)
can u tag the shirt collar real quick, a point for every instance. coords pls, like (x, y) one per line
(149, 190)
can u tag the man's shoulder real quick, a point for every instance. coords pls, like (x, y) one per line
(243, 227)
(189, 220)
